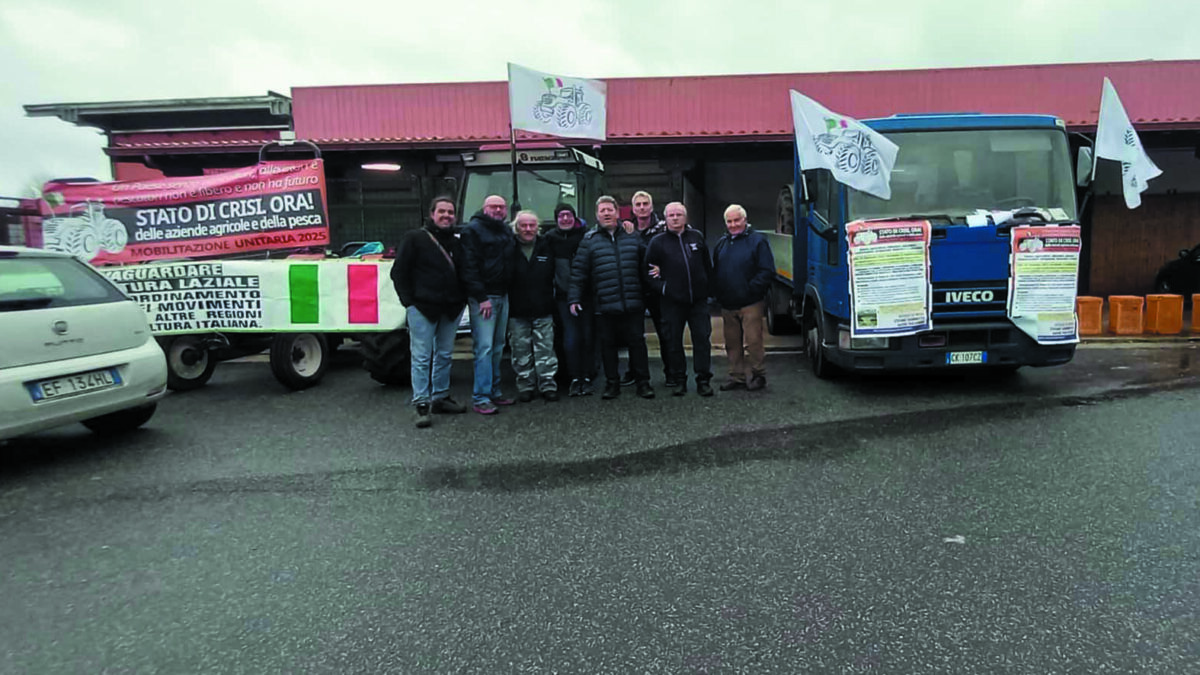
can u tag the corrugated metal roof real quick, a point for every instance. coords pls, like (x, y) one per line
(665, 109)
(136, 143)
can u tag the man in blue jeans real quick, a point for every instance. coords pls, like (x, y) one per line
(488, 249)
(426, 276)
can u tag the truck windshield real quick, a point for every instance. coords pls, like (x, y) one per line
(541, 189)
(956, 172)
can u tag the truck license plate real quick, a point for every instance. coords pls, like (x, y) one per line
(62, 387)
(965, 358)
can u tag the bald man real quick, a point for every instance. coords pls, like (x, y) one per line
(488, 249)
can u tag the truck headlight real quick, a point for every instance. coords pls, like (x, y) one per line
(862, 343)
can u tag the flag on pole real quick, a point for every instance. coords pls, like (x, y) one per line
(1116, 140)
(570, 107)
(857, 155)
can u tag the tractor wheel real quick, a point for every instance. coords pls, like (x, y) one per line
(386, 357)
(299, 360)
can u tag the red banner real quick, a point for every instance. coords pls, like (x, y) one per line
(267, 206)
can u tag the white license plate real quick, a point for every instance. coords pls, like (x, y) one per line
(965, 358)
(81, 383)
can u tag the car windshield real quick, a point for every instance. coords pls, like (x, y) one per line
(954, 173)
(36, 282)
(541, 189)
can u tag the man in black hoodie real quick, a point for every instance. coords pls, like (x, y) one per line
(487, 272)
(680, 269)
(426, 276)
(576, 333)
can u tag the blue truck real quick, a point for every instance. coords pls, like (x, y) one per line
(949, 166)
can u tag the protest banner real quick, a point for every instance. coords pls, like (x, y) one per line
(889, 277)
(271, 205)
(1042, 287)
(263, 296)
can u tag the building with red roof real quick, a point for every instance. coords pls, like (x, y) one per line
(706, 141)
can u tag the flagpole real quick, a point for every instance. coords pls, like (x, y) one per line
(512, 143)
(512, 148)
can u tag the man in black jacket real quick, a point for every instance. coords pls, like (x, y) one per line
(487, 271)
(426, 276)
(574, 334)
(531, 312)
(608, 269)
(680, 269)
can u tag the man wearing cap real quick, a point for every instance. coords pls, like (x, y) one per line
(577, 355)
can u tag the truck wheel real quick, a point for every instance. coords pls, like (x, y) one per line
(189, 363)
(121, 421)
(386, 357)
(299, 360)
(779, 323)
(821, 367)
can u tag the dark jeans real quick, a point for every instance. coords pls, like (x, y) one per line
(675, 315)
(654, 308)
(578, 348)
(628, 330)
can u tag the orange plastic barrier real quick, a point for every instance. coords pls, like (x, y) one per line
(1164, 314)
(1090, 311)
(1125, 314)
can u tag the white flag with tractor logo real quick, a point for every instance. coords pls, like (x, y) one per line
(571, 107)
(857, 155)
(1116, 140)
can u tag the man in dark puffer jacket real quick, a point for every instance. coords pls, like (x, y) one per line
(531, 312)
(608, 267)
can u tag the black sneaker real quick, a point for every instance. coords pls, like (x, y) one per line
(551, 395)
(627, 380)
(645, 390)
(576, 388)
(704, 389)
(757, 382)
(730, 385)
(587, 389)
(525, 396)
(448, 406)
(678, 389)
(611, 390)
(423, 419)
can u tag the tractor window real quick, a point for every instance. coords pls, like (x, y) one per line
(540, 189)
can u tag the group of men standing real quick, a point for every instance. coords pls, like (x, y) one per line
(552, 297)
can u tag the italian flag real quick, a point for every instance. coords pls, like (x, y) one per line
(307, 288)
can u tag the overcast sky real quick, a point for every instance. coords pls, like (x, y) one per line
(57, 51)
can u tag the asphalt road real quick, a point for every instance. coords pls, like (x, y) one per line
(1042, 523)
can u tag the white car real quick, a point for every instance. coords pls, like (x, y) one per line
(73, 348)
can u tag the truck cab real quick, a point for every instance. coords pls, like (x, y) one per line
(948, 167)
(547, 174)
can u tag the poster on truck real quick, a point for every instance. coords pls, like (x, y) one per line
(889, 277)
(1041, 293)
(256, 296)
(267, 206)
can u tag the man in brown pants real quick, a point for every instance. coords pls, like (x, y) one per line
(743, 269)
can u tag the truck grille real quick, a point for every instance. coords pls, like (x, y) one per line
(957, 302)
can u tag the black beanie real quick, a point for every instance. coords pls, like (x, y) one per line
(564, 207)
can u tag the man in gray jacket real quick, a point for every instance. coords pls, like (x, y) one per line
(608, 270)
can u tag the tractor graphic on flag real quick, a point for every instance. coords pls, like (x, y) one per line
(562, 105)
